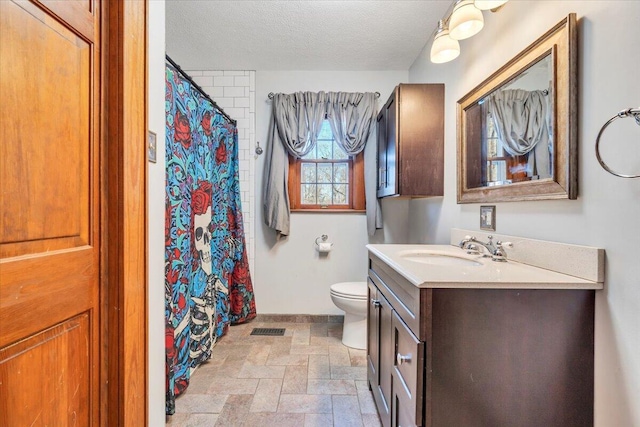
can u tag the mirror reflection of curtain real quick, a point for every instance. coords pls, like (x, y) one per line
(521, 122)
(294, 128)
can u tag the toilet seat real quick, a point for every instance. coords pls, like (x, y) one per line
(350, 290)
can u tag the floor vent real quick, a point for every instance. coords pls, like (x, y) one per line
(272, 332)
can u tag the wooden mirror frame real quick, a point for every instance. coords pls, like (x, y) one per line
(561, 43)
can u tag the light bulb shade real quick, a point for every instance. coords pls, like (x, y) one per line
(466, 20)
(444, 48)
(489, 4)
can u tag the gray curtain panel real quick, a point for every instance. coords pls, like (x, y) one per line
(294, 128)
(350, 116)
(295, 124)
(276, 174)
(298, 118)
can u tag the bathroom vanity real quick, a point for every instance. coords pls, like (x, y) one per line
(459, 340)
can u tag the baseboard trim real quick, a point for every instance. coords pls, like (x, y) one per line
(300, 318)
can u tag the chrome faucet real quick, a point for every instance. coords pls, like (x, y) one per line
(496, 252)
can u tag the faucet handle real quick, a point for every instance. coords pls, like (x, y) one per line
(500, 254)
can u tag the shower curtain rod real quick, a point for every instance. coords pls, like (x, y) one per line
(271, 95)
(194, 84)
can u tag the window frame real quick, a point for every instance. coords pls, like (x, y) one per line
(356, 186)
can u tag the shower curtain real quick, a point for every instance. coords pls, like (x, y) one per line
(207, 280)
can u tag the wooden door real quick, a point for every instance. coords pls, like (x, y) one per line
(50, 212)
(55, 364)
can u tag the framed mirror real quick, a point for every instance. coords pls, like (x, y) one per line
(517, 130)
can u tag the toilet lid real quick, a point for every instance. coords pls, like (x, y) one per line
(350, 289)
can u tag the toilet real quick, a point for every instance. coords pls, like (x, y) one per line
(351, 297)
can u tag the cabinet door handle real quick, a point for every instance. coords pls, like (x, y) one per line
(375, 303)
(400, 358)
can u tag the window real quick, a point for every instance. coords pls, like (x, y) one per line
(496, 159)
(326, 178)
(501, 167)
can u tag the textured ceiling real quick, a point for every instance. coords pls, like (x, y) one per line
(299, 35)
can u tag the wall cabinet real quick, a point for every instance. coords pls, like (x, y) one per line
(479, 357)
(410, 132)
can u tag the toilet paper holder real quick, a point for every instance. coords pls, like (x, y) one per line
(323, 247)
(324, 238)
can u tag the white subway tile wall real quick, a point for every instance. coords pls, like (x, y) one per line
(235, 93)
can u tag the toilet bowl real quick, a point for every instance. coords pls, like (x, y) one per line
(351, 297)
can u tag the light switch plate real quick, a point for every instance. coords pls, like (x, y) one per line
(488, 218)
(151, 146)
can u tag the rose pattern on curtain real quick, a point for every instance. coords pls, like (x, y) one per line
(207, 281)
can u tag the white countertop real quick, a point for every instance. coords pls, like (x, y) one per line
(488, 274)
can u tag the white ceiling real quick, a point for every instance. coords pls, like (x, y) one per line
(299, 34)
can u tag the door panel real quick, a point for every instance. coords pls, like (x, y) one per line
(381, 136)
(51, 363)
(386, 356)
(47, 137)
(408, 374)
(386, 134)
(49, 213)
(379, 352)
(373, 328)
(392, 144)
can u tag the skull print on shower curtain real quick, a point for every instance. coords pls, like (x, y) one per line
(207, 280)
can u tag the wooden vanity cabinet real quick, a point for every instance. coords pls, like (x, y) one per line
(410, 132)
(469, 357)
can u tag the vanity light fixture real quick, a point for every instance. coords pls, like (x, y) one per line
(464, 21)
(444, 48)
(489, 4)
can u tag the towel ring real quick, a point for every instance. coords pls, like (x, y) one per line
(629, 112)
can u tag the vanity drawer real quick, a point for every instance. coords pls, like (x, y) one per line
(408, 375)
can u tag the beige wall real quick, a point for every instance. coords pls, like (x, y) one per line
(607, 212)
(156, 194)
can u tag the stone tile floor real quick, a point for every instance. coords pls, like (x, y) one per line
(306, 378)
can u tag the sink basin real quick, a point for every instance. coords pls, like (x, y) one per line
(438, 258)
